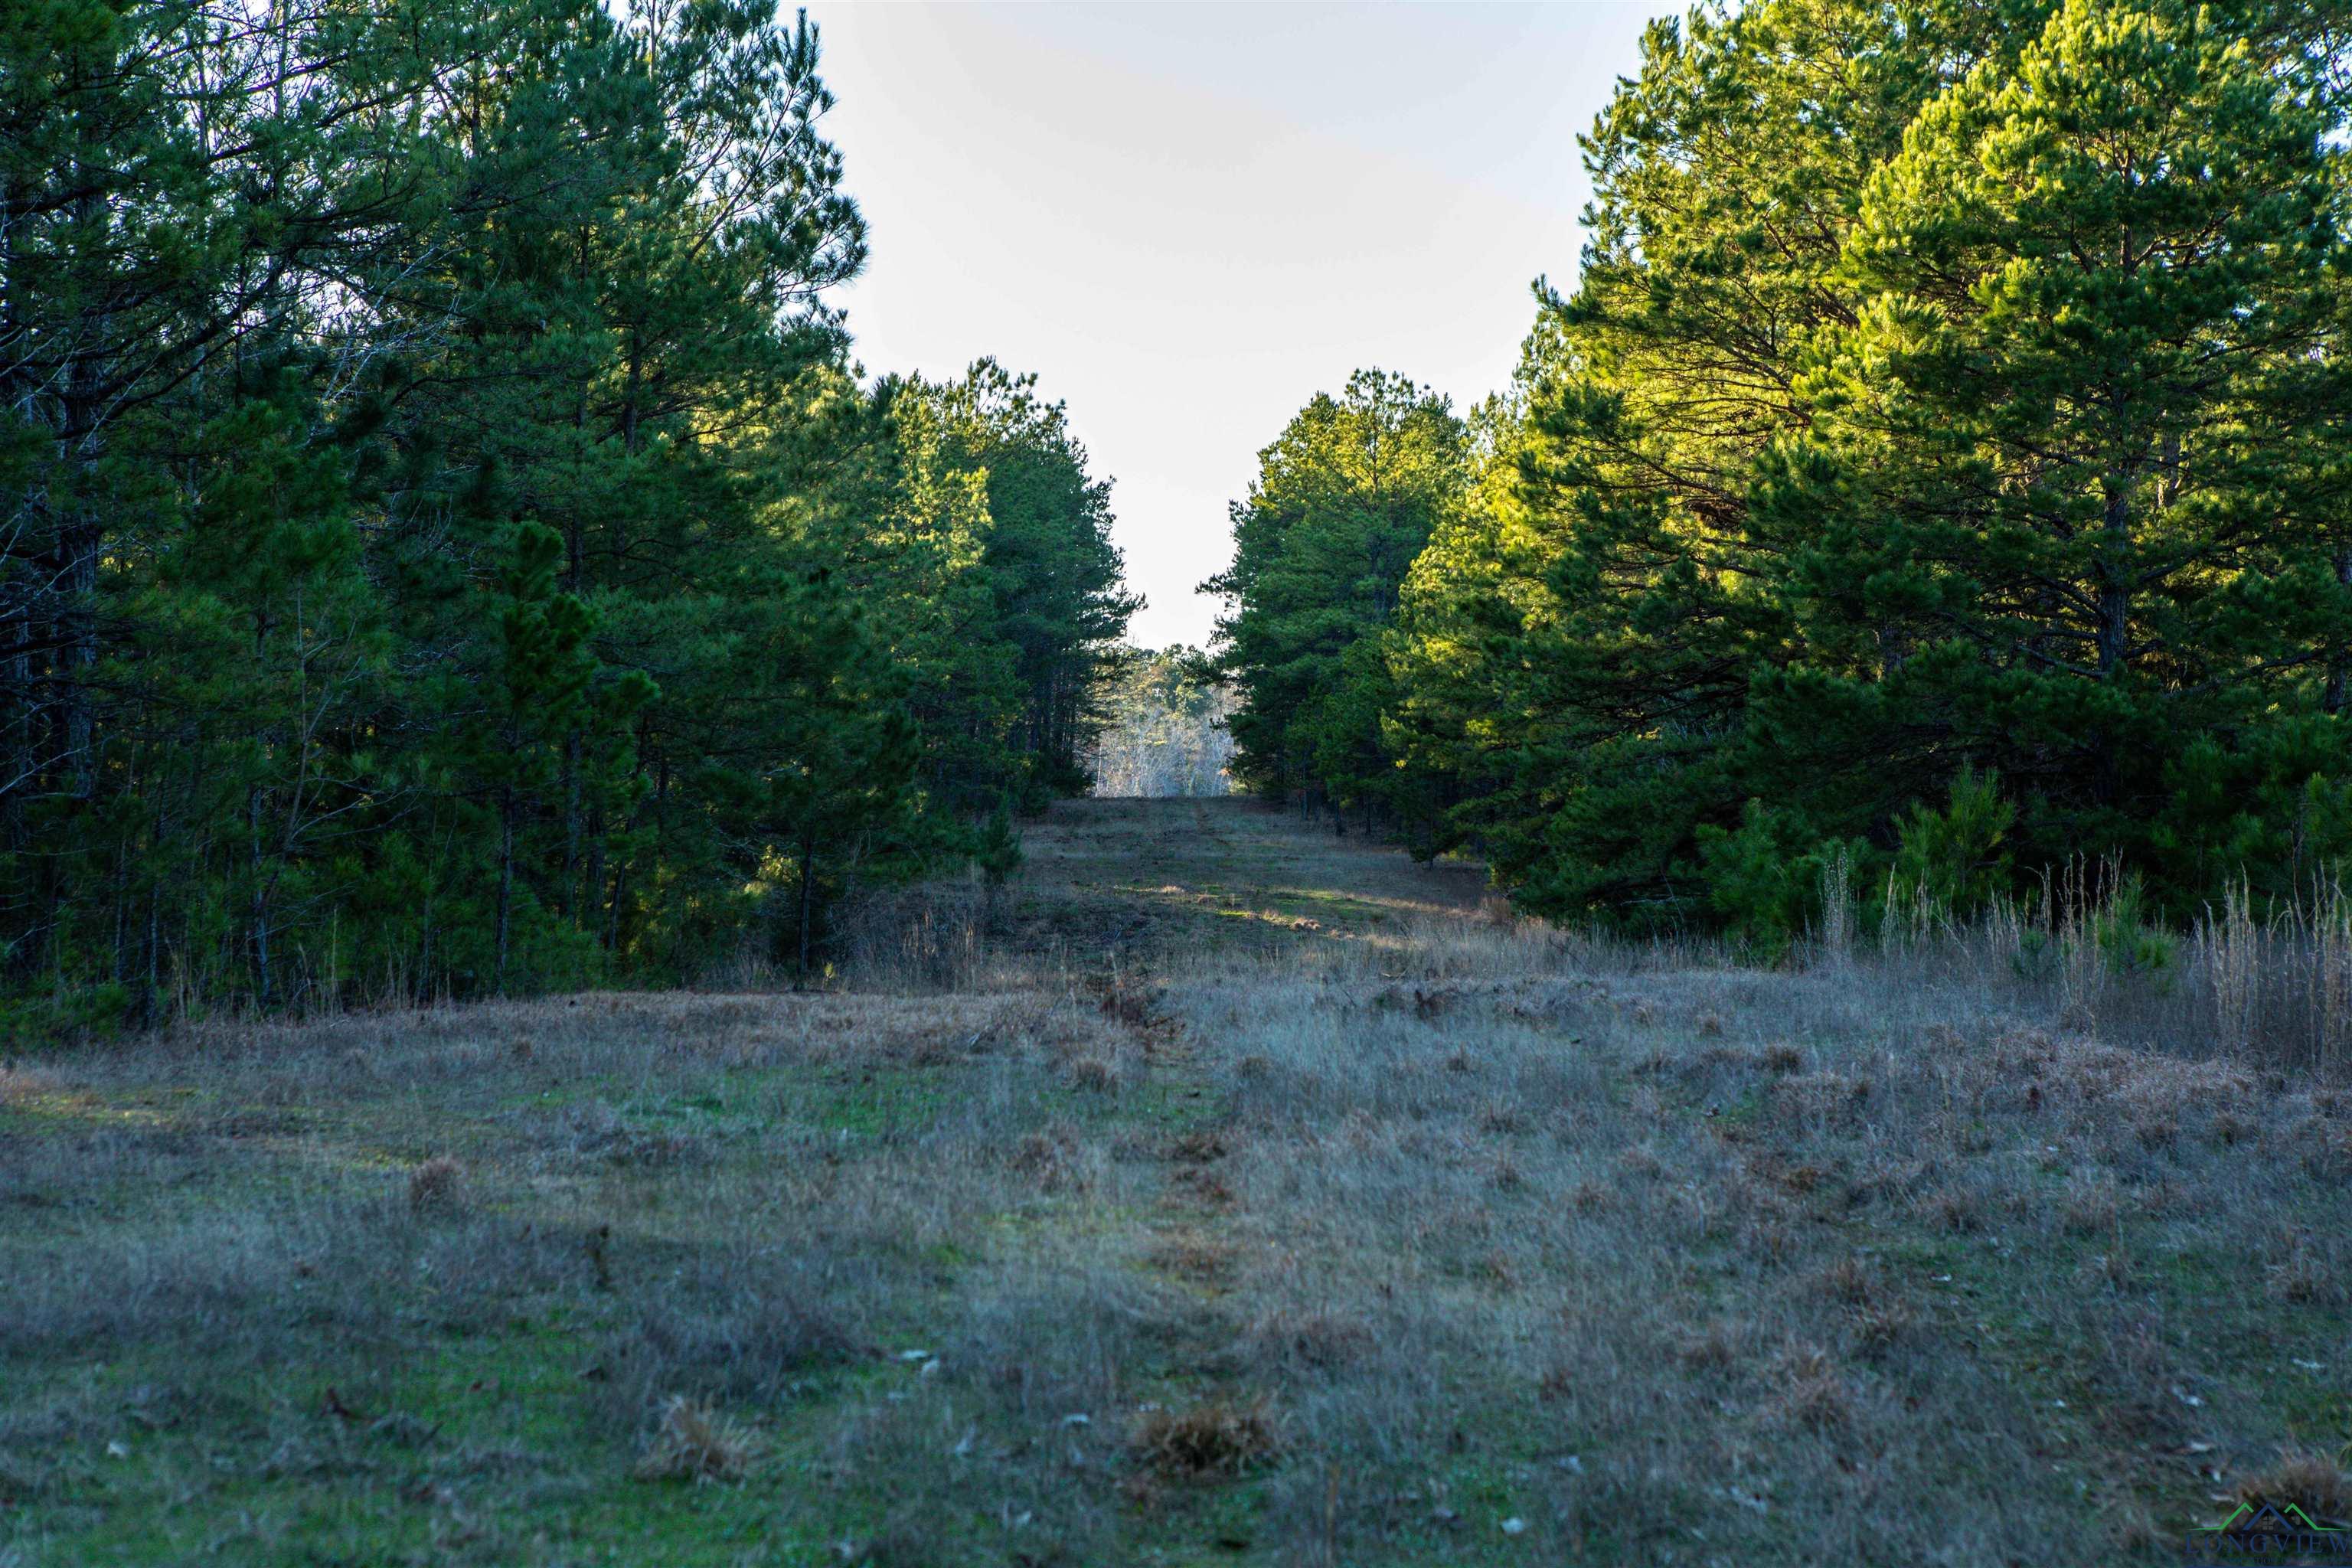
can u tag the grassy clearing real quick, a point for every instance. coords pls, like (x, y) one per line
(1156, 1232)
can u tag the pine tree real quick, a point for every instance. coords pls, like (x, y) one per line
(1947, 387)
(1345, 500)
(2042, 517)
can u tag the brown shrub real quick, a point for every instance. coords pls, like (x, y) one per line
(1830, 1097)
(1881, 1326)
(437, 1186)
(2313, 1482)
(1955, 1209)
(1849, 1280)
(2090, 1205)
(1094, 1075)
(1504, 1119)
(1199, 1146)
(1815, 1393)
(693, 1443)
(1223, 1435)
(1049, 1158)
(2297, 1275)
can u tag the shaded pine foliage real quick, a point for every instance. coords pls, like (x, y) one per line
(447, 546)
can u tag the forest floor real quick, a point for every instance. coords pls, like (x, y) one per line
(1252, 1196)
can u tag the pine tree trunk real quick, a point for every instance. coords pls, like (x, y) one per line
(592, 880)
(572, 746)
(506, 880)
(2339, 663)
(258, 906)
(2113, 631)
(77, 525)
(808, 908)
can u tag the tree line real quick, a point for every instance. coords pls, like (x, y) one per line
(1165, 728)
(1940, 472)
(448, 545)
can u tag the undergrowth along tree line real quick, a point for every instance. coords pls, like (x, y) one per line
(448, 546)
(1940, 472)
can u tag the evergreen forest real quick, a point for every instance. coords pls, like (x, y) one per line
(449, 546)
(1937, 484)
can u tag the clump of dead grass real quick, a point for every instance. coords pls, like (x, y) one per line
(1955, 1209)
(1825, 1096)
(1881, 1325)
(694, 1443)
(2298, 1275)
(2092, 1204)
(2311, 1481)
(437, 1186)
(1092, 1074)
(1849, 1279)
(1050, 1158)
(1222, 1435)
(1814, 1393)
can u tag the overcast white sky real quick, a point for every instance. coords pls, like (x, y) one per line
(1187, 219)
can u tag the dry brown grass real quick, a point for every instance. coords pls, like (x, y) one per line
(2313, 1482)
(1012, 1252)
(1218, 1437)
(438, 1185)
(694, 1443)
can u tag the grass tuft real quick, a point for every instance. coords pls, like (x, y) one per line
(437, 1186)
(691, 1442)
(2311, 1481)
(1218, 1437)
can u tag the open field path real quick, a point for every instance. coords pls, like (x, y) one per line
(1247, 1195)
(1162, 878)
